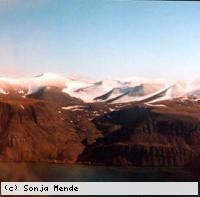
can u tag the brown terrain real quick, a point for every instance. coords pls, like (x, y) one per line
(44, 128)
(38, 129)
(147, 136)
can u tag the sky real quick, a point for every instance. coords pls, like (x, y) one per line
(100, 38)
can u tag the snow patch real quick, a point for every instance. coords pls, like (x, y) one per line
(74, 108)
(3, 92)
(155, 105)
(22, 107)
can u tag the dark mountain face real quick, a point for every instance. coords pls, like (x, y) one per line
(130, 91)
(55, 95)
(143, 136)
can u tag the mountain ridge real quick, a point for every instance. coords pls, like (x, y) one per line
(121, 90)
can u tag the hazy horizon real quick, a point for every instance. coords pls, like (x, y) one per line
(101, 39)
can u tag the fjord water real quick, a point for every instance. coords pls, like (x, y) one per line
(63, 172)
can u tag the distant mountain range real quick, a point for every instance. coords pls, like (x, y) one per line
(110, 90)
(73, 119)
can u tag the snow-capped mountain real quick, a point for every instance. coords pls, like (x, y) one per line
(72, 119)
(119, 90)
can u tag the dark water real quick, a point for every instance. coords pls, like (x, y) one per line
(61, 172)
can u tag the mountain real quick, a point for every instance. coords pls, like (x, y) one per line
(50, 127)
(121, 90)
(142, 135)
(88, 90)
(72, 119)
(32, 130)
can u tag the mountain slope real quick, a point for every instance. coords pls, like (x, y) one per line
(31, 131)
(147, 136)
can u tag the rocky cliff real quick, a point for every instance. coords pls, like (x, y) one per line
(165, 135)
